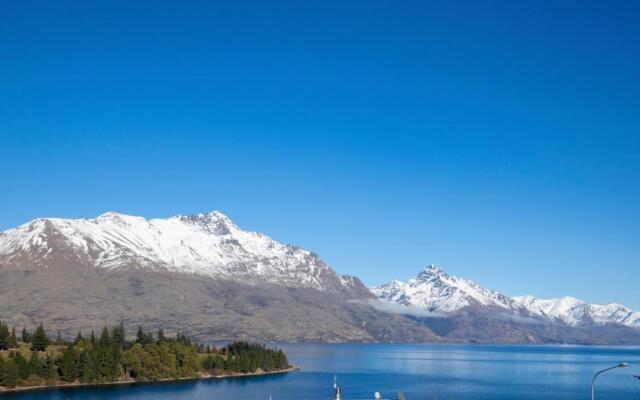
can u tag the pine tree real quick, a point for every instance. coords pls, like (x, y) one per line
(92, 339)
(161, 337)
(140, 335)
(105, 339)
(26, 337)
(4, 337)
(118, 336)
(10, 374)
(78, 339)
(143, 338)
(13, 340)
(69, 365)
(24, 367)
(39, 339)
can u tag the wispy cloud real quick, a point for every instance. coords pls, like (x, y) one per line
(517, 318)
(395, 308)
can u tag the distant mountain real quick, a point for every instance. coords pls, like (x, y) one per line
(576, 312)
(439, 292)
(466, 310)
(199, 274)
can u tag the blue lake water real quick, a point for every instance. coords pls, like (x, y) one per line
(420, 371)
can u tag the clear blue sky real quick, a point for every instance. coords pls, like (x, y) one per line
(500, 140)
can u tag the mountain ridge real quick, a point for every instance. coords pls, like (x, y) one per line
(204, 274)
(199, 274)
(205, 244)
(437, 291)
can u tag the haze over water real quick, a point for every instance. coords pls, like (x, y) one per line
(420, 371)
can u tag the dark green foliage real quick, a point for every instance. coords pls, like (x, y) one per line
(144, 338)
(69, 365)
(169, 359)
(213, 362)
(161, 337)
(105, 338)
(13, 339)
(111, 358)
(118, 336)
(4, 337)
(247, 357)
(25, 368)
(39, 339)
(9, 373)
(78, 339)
(45, 368)
(26, 336)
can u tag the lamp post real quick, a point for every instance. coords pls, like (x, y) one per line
(593, 381)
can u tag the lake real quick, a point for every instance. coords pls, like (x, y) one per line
(420, 371)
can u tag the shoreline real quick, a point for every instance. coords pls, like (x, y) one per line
(133, 382)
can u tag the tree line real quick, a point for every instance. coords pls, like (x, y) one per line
(110, 357)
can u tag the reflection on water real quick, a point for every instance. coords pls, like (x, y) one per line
(420, 371)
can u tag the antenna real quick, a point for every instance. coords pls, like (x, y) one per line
(336, 389)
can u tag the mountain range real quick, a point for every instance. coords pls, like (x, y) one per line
(461, 308)
(204, 275)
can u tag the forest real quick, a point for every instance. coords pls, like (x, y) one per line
(34, 359)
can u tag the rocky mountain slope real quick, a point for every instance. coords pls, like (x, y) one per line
(203, 275)
(200, 274)
(205, 244)
(467, 310)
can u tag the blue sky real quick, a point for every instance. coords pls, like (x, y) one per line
(500, 140)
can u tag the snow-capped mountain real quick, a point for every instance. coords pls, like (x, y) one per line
(576, 312)
(435, 290)
(440, 292)
(205, 275)
(204, 244)
(199, 274)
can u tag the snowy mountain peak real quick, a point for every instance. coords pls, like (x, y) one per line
(214, 222)
(438, 291)
(204, 244)
(430, 271)
(575, 312)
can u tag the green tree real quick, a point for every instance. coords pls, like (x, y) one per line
(143, 338)
(118, 336)
(4, 336)
(9, 373)
(77, 339)
(161, 337)
(24, 367)
(26, 337)
(69, 365)
(13, 339)
(39, 339)
(105, 338)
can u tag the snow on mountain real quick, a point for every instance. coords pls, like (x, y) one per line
(205, 244)
(435, 290)
(575, 312)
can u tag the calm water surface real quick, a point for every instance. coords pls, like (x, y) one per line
(420, 371)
